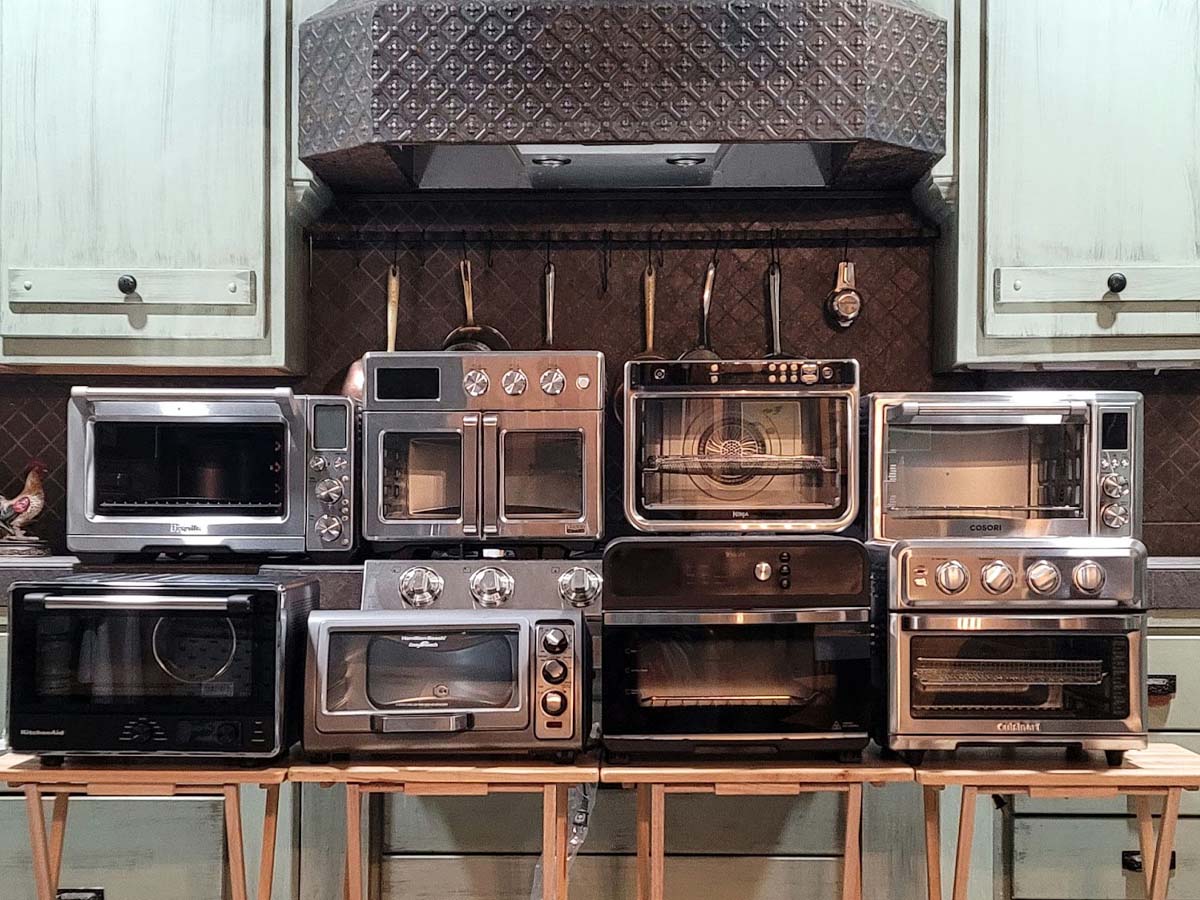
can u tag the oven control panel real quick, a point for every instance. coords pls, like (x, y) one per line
(1116, 490)
(330, 481)
(801, 373)
(554, 681)
(483, 584)
(1094, 573)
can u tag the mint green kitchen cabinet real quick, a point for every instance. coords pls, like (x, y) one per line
(1068, 199)
(150, 216)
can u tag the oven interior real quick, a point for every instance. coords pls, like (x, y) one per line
(543, 474)
(999, 675)
(705, 452)
(1018, 471)
(190, 469)
(422, 475)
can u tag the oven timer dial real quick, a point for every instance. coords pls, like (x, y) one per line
(476, 382)
(951, 577)
(579, 586)
(553, 381)
(514, 382)
(420, 586)
(491, 586)
(1114, 486)
(1043, 577)
(555, 641)
(554, 703)
(1114, 515)
(998, 577)
(1088, 577)
(329, 490)
(329, 528)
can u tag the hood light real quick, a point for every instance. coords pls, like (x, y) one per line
(552, 162)
(686, 162)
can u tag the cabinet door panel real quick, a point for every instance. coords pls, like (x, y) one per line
(135, 139)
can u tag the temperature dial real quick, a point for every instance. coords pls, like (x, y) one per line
(317, 464)
(1088, 576)
(555, 640)
(329, 490)
(491, 586)
(1114, 486)
(553, 381)
(579, 586)
(951, 577)
(1114, 516)
(998, 577)
(476, 382)
(329, 528)
(514, 382)
(554, 671)
(1043, 577)
(554, 703)
(420, 586)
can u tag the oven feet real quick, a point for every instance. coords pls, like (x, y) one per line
(53, 762)
(913, 758)
(1114, 758)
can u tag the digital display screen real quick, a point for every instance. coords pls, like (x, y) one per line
(330, 427)
(407, 384)
(1114, 431)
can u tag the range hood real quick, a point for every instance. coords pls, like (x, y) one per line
(586, 94)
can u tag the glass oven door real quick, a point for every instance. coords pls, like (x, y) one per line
(542, 474)
(421, 475)
(742, 457)
(128, 672)
(956, 469)
(713, 677)
(1020, 674)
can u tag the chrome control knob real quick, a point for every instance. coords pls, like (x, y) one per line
(951, 577)
(555, 640)
(491, 586)
(329, 490)
(997, 577)
(554, 703)
(420, 586)
(1114, 486)
(328, 528)
(553, 381)
(514, 382)
(1043, 577)
(579, 586)
(1088, 576)
(476, 382)
(317, 464)
(554, 671)
(1114, 516)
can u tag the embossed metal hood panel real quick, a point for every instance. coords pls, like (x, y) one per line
(585, 94)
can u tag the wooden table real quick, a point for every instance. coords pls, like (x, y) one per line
(1162, 770)
(138, 780)
(735, 779)
(465, 780)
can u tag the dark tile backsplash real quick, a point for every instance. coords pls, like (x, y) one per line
(892, 340)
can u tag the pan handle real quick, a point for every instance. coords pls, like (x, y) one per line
(464, 271)
(549, 304)
(774, 281)
(706, 304)
(649, 280)
(393, 305)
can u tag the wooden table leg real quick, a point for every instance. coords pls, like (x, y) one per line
(643, 842)
(933, 843)
(658, 845)
(1166, 843)
(966, 836)
(58, 836)
(234, 845)
(266, 866)
(1146, 840)
(37, 841)
(852, 858)
(549, 842)
(562, 838)
(354, 872)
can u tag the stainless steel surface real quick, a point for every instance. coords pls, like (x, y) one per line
(136, 602)
(536, 584)
(774, 288)
(986, 476)
(747, 617)
(341, 715)
(1019, 574)
(548, 276)
(1102, 623)
(312, 520)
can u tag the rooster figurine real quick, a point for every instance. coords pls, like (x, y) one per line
(21, 510)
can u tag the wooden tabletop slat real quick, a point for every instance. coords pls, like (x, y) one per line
(749, 772)
(16, 769)
(1159, 765)
(582, 771)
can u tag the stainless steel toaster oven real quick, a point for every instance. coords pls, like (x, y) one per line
(201, 470)
(435, 681)
(1012, 464)
(741, 445)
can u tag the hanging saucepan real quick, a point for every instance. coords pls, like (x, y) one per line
(469, 336)
(353, 383)
(649, 282)
(774, 282)
(704, 349)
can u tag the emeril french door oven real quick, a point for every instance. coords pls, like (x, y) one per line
(483, 446)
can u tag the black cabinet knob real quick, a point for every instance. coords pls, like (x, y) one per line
(1117, 282)
(127, 284)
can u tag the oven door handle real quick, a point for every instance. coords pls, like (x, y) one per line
(470, 474)
(143, 603)
(755, 617)
(444, 724)
(918, 412)
(966, 624)
(490, 481)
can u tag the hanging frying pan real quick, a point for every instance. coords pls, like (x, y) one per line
(469, 336)
(649, 280)
(704, 349)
